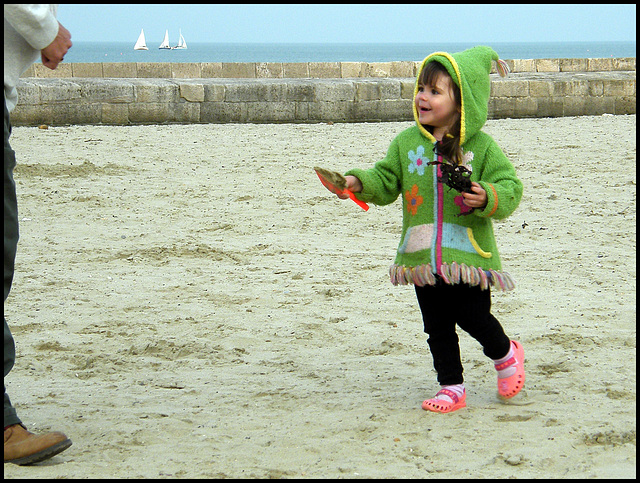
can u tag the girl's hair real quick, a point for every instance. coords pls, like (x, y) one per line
(449, 147)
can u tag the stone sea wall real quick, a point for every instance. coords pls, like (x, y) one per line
(151, 93)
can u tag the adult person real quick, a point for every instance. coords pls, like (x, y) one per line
(30, 31)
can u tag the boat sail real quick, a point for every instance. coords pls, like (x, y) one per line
(165, 41)
(181, 43)
(141, 44)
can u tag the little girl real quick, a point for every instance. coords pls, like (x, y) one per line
(448, 249)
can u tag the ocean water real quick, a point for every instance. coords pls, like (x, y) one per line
(335, 52)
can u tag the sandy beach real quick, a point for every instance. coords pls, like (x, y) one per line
(191, 302)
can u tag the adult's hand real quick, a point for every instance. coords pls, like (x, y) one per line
(53, 53)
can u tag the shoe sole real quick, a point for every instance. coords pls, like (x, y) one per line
(42, 455)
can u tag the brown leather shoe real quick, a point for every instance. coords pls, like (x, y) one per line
(24, 448)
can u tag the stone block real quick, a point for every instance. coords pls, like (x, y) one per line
(295, 70)
(625, 105)
(185, 70)
(214, 92)
(115, 114)
(154, 70)
(501, 108)
(334, 91)
(58, 91)
(86, 69)
(407, 89)
(573, 65)
(547, 65)
(540, 88)
(28, 93)
(149, 112)
(596, 106)
(570, 88)
(120, 70)
(191, 92)
(265, 91)
(211, 70)
(324, 70)
(550, 107)
(300, 91)
(371, 90)
(624, 64)
(77, 113)
(155, 91)
(302, 111)
(367, 91)
(525, 107)
(271, 112)
(600, 65)
(378, 69)
(398, 110)
(241, 92)
(573, 105)
(269, 70)
(509, 87)
(184, 112)
(350, 70)
(62, 71)
(596, 87)
(368, 111)
(523, 65)
(335, 111)
(616, 87)
(106, 91)
(238, 70)
(216, 112)
(401, 69)
(382, 111)
(32, 115)
(580, 87)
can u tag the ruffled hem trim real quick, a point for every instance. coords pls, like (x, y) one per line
(451, 274)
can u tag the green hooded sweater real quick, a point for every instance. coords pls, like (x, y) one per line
(439, 236)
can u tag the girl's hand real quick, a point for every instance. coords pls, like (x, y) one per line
(477, 199)
(353, 184)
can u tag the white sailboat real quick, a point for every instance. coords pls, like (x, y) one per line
(181, 43)
(141, 44)
(165, 41)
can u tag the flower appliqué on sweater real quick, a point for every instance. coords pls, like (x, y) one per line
(413, 200)
(417, 163)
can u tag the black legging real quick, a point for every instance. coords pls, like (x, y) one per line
(443, 306)
(9, 255)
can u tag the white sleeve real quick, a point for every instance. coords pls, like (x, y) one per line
(36, 23)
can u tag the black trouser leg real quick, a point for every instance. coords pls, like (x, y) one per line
(9, 256)
(445, 306)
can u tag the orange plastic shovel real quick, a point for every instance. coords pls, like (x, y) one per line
(336, 183)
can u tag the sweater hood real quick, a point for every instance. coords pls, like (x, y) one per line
(470, 71)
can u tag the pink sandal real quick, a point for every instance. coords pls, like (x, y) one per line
(512, 385)
(444, 406)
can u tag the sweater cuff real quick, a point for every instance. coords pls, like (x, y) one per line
(492, 201)
(362, 176)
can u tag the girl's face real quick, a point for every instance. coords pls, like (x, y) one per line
(436, 106)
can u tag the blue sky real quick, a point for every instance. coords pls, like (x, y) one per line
(424, 23)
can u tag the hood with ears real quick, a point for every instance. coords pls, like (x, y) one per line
(470, 71)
